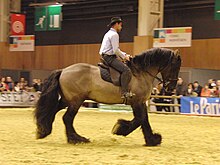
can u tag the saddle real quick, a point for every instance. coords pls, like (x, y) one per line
(109, 74)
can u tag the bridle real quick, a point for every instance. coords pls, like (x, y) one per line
(164, 82)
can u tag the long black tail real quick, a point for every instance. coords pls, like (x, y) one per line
(47, 105)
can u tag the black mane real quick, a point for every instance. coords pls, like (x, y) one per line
(158, 57)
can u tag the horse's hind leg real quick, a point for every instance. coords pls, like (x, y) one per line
(42, 132)
(68, 118)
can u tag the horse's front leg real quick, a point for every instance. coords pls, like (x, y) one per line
(125, 127)
(141, 115)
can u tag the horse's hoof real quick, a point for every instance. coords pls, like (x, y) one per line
(42, 134)
(77, 139)
(71, 141)
(121, 128)
(154, 140)
(116, 128)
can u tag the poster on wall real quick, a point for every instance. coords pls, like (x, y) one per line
(21, 43)
(172, 37)
(17, 24)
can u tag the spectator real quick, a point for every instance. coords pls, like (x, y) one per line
(210, 81)
(197, 88)
(37, 85)
(160, 90)
(214, 91)
(213, 84)
(181, 89)
(17, 87)
(218, 85)
(206, 92)
(10, 84)
(190, 89)
(3, 85)
(22, 84)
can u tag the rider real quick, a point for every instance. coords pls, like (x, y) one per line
(110, 52)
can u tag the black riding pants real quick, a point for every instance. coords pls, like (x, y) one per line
(120, 67)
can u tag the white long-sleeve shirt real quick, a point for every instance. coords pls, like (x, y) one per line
(110, 44)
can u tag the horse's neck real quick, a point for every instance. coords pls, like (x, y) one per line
(142, 83)
(148, 75)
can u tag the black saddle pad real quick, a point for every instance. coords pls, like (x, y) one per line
(105, 74)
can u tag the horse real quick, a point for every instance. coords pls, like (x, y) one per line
(71, 86)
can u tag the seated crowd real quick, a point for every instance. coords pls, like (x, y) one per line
(210, 89)
(8, 85)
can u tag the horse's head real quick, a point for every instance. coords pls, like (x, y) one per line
(166, 61)
(171, 71)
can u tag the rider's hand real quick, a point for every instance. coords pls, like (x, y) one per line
(127, 57)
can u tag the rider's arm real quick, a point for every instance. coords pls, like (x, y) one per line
(115, 46)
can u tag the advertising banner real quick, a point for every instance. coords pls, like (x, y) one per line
(18, 99)
(200, 106)
(17, 24)
(22, 43)
(172, 37)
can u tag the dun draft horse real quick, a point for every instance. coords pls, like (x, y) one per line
(70, 86)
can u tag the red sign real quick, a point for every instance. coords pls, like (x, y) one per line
(17, 24)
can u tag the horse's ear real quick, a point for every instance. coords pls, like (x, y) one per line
(177, 52)
(177, 56)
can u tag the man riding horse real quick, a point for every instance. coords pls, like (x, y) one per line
(110, 52)
(71, 86)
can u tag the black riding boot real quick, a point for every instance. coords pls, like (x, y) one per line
(125, 73)
(125, 79)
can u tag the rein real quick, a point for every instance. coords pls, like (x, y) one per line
(164, 82)
(156, 77)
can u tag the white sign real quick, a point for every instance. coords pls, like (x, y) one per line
(18, 99)
(172, 37)
(22, 43)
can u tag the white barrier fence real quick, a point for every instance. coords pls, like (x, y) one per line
(189, 105)
(18, 99)
(166, 102)
(29, 99)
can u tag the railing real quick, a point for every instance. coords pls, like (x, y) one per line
(149, 102)
(164, 97)
(161, 104)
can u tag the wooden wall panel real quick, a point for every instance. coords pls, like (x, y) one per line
(142, 43)
(85, 53)
(47, 57)
(127, 47)
(203, 54)
(15, 60)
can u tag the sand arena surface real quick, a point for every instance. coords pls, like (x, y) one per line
(186, 140)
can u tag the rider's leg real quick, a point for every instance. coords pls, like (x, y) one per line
(123, 69)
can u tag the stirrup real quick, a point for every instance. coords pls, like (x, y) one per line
(127, 95)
